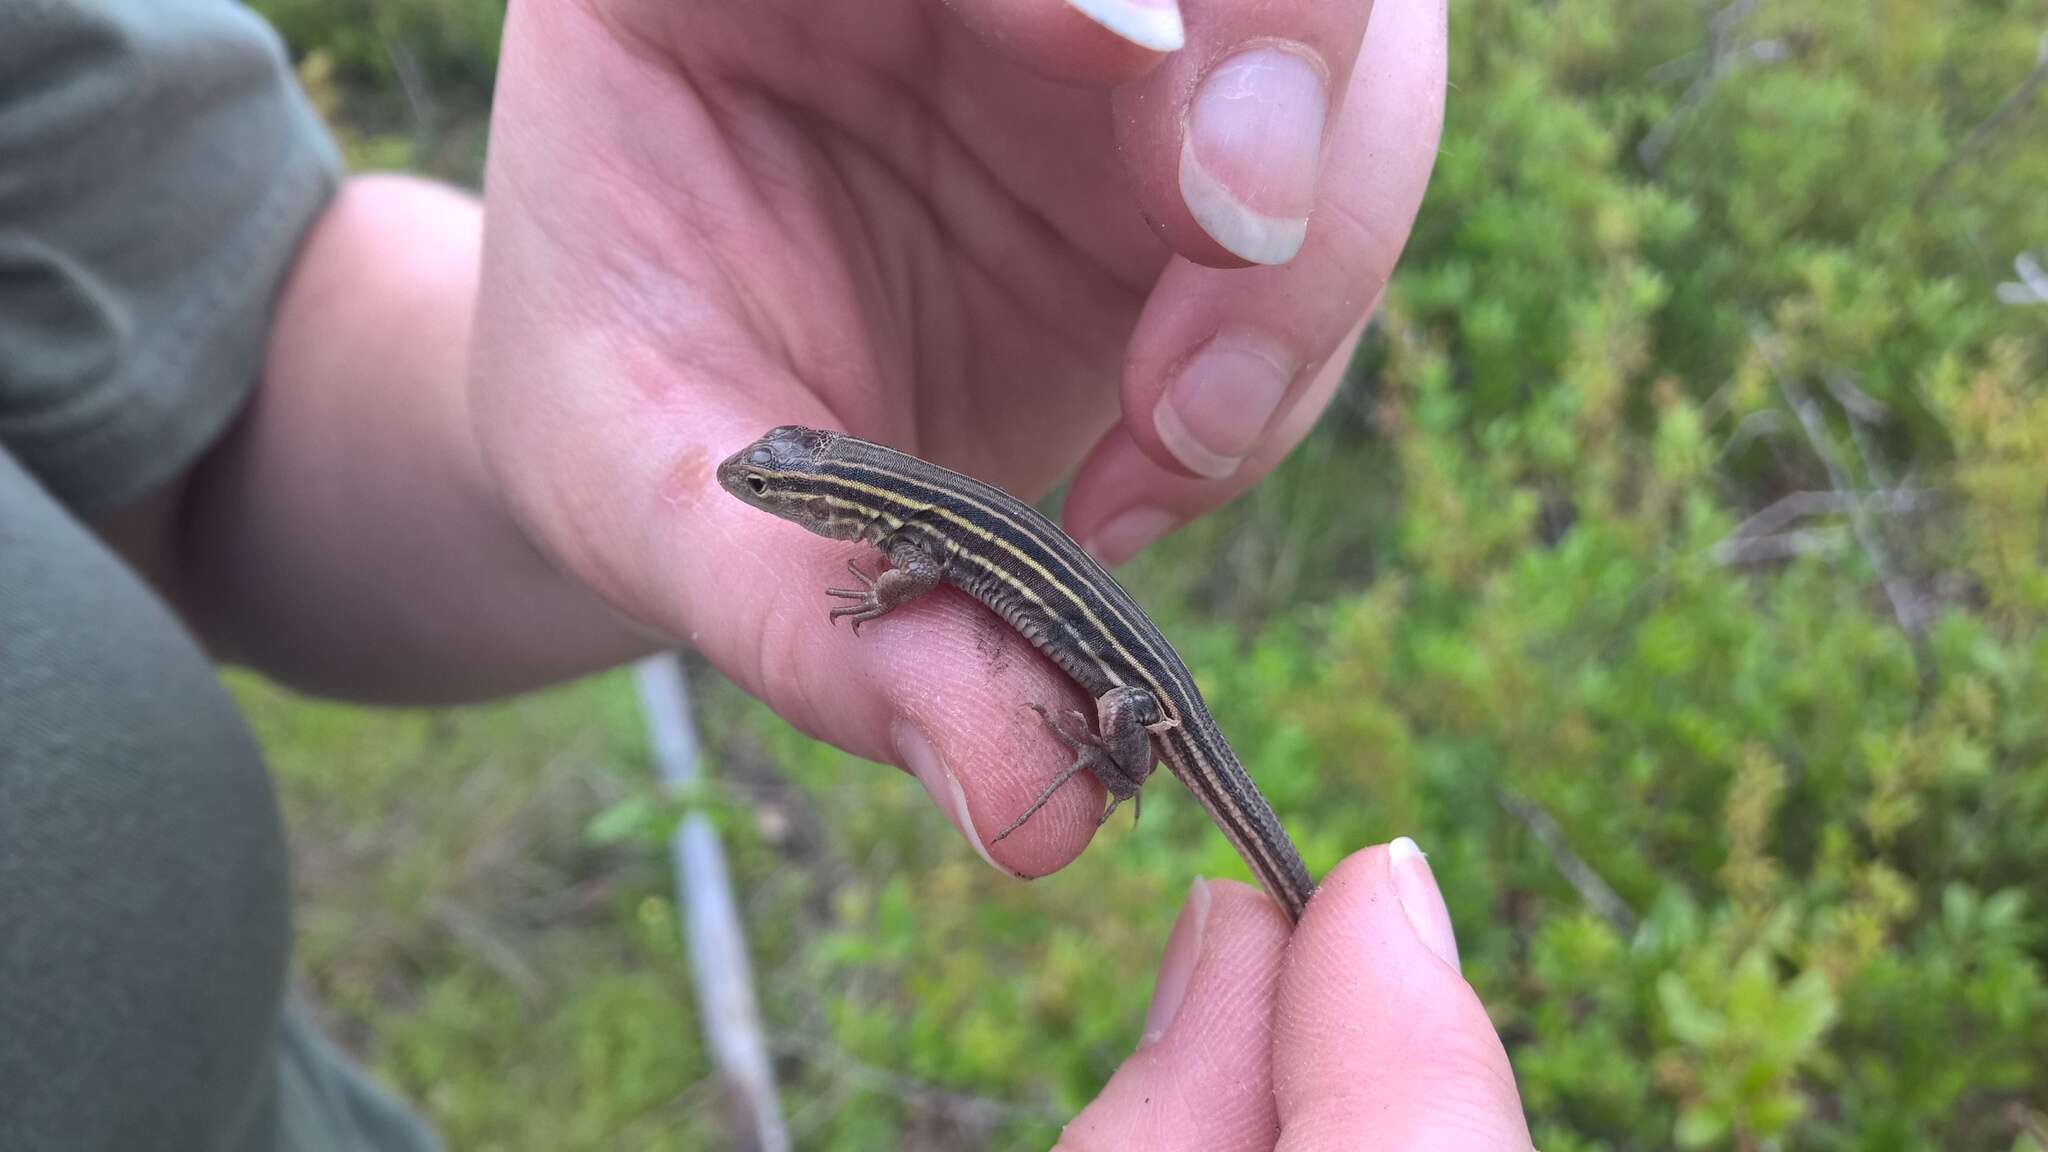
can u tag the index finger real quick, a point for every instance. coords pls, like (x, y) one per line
(1229, 368)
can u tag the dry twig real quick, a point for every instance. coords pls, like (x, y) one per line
(1600, 896)
(2016, 103)
(1724, 55)
(1796, 506)
(1906, 606)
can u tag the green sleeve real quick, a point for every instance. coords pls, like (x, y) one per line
(159, 167)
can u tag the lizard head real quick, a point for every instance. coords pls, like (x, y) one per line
(779, 474)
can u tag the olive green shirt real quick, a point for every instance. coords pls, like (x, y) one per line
(159, 168)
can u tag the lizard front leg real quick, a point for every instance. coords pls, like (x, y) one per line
(1121, 755)
(912, 572)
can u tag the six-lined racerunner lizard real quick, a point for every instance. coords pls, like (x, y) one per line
(934, 524)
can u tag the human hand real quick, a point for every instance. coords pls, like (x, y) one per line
(1356, 1033)
(703, 220)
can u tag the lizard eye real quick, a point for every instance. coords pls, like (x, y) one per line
(757, 483)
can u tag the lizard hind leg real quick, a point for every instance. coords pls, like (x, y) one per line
(1120, 757)
(1087, 753)
(1065, 775)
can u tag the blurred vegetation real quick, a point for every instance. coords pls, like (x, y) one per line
(1675, 571)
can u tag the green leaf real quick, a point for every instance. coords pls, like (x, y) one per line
(1700, 1126)
(1688, 1020)
(629, 819)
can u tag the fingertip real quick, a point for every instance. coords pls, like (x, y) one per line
(1374, 1023)
(1383, 898)
(1422, 900)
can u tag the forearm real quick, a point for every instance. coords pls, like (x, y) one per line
(346, 537)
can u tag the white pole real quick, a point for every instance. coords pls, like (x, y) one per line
(712, 932)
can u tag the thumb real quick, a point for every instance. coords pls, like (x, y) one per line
(1378, 1042)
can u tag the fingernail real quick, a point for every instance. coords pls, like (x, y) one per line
(1127, 535)
(916, 753)
(1416, 887)
(1221, 400)
(1153, 24)
(1253, 149)
(1183, 949)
